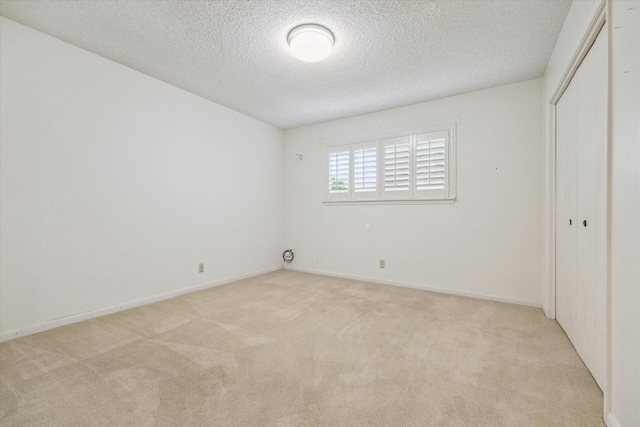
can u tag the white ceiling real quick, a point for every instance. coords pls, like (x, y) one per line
(388, 53)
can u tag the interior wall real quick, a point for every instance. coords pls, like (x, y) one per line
(115, 186)
(625, 212)
(486, 244)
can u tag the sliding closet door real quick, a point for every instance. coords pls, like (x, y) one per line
(566, 217)
(581, 134)
(592, 203)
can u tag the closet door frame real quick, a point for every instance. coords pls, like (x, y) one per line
(595, 26)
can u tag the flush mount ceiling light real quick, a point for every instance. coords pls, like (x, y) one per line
(310, 42)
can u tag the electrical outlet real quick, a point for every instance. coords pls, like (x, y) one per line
(381, 263)
(201, 267)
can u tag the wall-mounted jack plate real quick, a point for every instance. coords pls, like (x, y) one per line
(201, 267)
(381, 263)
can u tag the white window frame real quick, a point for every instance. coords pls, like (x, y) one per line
(431, 193)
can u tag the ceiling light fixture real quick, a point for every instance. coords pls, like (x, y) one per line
(310, 42)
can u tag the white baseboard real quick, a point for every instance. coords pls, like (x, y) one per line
(74, 318)
(611, 420)
(422, 286)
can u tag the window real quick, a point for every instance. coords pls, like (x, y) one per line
(339, 173)
(417, 166)
(431, 164)
(397, 167)
(365, 171)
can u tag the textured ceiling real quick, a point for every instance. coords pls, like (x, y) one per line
(388, 53)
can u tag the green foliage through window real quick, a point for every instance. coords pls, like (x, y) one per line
(337, 185)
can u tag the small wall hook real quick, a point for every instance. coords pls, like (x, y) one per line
(299, 156)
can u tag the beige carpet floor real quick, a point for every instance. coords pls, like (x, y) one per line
(295, 349)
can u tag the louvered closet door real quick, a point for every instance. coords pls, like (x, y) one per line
(581, 128)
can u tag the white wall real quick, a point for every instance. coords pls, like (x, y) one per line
(486, 244)
(116, 185)
(625, 213)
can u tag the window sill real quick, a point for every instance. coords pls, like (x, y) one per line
(446, 201)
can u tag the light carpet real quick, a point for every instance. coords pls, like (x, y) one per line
(295, 349)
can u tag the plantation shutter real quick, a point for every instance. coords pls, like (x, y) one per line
(431, 163)
(338, 165)
(404, 168)
(365, 170)
(397, 167)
